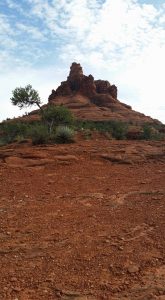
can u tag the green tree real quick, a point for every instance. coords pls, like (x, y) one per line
(147, 132)
(25, 97)
(56, 115)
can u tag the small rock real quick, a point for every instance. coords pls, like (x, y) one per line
(13, 279)
(133, 269)
(58, 294)
(107, 241)
(16, 289)
(120, 248)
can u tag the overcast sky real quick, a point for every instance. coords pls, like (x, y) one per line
(122, 41)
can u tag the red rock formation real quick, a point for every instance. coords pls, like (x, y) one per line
(93, 99)
(63, 90)
(76, 71)
(77, 82)
(113, 91)
(102, 86)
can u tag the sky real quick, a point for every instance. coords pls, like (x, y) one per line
(122, 41)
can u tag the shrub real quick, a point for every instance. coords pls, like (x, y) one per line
(56, 115)
(10, 130)
(2, 142)
(87, 134)
(39, 134)
(152, 133)
(20, 139)
(117, 129)
(147, 132)
(64, 135)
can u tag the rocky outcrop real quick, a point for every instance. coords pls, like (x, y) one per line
(77, 82)
(96, 100)
(102, 86)
(113, 91)
(76, 72)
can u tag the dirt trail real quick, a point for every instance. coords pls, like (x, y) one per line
(84, 221)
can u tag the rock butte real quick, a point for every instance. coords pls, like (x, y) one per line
(91, 99)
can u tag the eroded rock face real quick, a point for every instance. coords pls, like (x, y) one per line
(113, 91)
(77, 82)
(96, 100)
(102, 86)
(76, 71)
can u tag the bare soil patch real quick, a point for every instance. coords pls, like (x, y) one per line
(84, 221)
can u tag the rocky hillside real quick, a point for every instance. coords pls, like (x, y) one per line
(92, 99)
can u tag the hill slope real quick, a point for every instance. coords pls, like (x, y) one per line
(93, 99)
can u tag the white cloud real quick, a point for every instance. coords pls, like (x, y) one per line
(6, 33)
(12, 4)
(4, 25)
(118, 40)
(33, 31)
(118, 28)
(17, 6)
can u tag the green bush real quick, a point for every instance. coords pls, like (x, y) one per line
(54, 116)
(116, 129)
(151, 132)
(119, 130)
(39, 131)
(10, 130)
(64, 135)
(39, 134)
(2, 142)
(147, 132)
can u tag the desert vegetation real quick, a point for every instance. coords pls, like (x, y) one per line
(38, 132)
(54, 124)
(57, 124)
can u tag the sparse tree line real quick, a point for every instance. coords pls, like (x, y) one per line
(58, 125)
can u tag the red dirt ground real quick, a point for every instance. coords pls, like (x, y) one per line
(83, 222)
